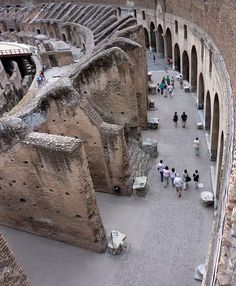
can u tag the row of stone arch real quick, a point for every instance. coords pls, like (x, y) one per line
(189, 69)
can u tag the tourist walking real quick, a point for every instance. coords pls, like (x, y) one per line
(154, 59)
(184, 118)
(196, 178)
(196, 146)
(160, 168)
(170, 90)
(172, 175)
(162, 87)
(39, 80)
(158, 89)
(167, 80)
(166, 175)
(178, 185)
(186, 179)
(172, 82)
(181, 81)
(175, 119)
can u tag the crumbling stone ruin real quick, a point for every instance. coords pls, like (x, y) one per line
(61, 144)
(11, 273)
(80, 131)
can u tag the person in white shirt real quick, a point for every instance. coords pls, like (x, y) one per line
(170, 90)
(178, 184)
(196, 146)
(166, 175)
(160, 168)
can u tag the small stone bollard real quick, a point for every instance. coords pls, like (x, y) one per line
(199, 125)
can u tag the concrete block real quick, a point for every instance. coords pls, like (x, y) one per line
(199, 125)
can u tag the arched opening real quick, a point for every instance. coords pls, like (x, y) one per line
(146, 38)
(193, 69)
(185, 66)
(63, 37)
(168, 43)
(220, 169)
(201, 92)
(208, 112)
(153, 37)
(177, 57)
(215, 128)
(160, 42)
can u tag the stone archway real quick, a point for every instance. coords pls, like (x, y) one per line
(201, 92)
(177, 57)
(146, 38)
(185, 65)
(160, 42)
(169, 43)
(220, 169)
(193, 69)
(208, 112)
(153, 37)
(215, 128)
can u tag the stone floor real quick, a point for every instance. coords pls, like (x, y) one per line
(168, 236)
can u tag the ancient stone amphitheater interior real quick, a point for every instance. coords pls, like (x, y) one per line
(78, 133)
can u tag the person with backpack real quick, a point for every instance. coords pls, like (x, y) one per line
(186, 179)
(196, 178)
(175, 119)
(184, 118)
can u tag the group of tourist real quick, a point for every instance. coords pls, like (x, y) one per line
(180, 183)
(166, 87)
(184, 118)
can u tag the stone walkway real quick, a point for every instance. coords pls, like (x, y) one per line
(168, 236)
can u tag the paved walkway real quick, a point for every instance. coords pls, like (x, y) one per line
(168, 236)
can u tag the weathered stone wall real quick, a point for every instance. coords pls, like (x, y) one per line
(104, 143)
(51, 186)
(50, 191)
(108, 83)
(11, 272)
(138, 57)
(11, 90)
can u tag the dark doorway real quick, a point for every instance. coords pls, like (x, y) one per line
(160, 41)
(201, 92)
(177, 58)
(193, 69)
(146, 38)
(153, 37)
(169, 43)
(208, 112)
(53, 61)
(215, 128)
(185, 66)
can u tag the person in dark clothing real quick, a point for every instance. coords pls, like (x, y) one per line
(154, 59)
(196, 178)
(175, 119)
(184, 118)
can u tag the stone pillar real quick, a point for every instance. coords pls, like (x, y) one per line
(48, 191)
